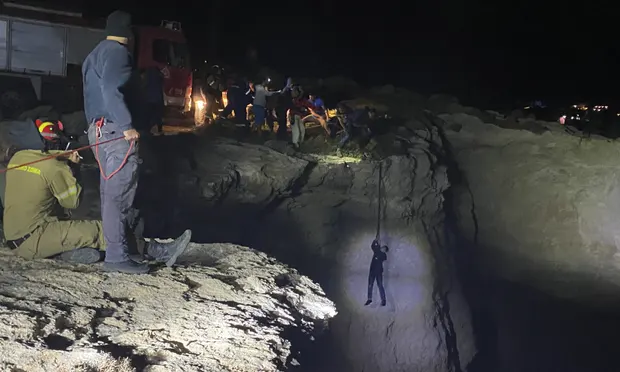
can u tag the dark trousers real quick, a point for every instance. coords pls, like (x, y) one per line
(260, 114)
(270, 119)
(378, 276)
(281, 117)
(153, 115)
(348, 135)
(117, 192)
(237, 104)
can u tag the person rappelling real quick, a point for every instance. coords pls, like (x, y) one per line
(376, 271)
(375, 274)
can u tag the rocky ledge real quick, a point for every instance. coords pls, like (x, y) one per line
(230, 309)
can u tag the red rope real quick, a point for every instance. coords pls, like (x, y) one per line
(96, 145)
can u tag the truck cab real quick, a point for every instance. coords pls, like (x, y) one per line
(42, 50)
(165, 48)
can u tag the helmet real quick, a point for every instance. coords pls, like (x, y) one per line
(49, 130)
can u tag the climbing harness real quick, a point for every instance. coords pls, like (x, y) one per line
(98, 125)
(60, 154)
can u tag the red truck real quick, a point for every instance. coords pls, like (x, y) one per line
(42, 50)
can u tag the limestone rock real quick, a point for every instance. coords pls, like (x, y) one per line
(545, 207)
(233, 309)
(232, 166)
(319, 214)
(442, 103)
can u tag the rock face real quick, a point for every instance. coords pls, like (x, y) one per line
(234, 309)
(546, 206)
(319, 214)
(537, 211)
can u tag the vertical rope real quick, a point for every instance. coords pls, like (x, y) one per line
(379, 201)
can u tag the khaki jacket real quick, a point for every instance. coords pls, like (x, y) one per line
(33, 193)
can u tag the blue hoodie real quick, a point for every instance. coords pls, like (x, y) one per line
(106, 72)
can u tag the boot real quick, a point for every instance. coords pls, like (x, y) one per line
(126, 267)
(368, 302)
(84, 256)
(169, 252)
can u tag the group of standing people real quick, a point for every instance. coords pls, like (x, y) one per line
(292, 107)
(286, 107)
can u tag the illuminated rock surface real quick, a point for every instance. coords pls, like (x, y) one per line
(234, 309)
(546, 206)
(319, 213)
(538, 212)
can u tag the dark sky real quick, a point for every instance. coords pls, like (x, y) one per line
(483, 52)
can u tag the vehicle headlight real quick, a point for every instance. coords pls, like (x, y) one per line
(200, 104)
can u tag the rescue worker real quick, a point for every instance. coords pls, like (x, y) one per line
(260, 101)
(237, 100)
(35, 226)
(318, 104)
(106, 71)
(355, 122)
(284, 104)
(299, 110)
(213, 90)
(153, 107)
(376, 271)
(318, 113)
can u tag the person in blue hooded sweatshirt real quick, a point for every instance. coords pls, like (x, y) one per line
(106, 73)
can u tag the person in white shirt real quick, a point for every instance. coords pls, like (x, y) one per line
(260, 101)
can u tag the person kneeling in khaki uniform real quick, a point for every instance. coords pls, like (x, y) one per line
(36, 196)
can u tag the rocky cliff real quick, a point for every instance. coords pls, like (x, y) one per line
(319, 213)
(537, 211)
(231, 309)
(545, 206)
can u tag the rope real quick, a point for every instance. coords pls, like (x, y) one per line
(379, 201)
(96, 145)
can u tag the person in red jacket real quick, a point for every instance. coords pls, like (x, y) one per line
(300, 109)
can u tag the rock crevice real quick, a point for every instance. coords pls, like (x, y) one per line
(319, 214)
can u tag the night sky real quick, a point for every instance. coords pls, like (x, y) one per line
(487, 54)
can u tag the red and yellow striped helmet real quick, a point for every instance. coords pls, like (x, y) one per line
(49, 130)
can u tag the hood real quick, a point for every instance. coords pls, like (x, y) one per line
(23, 135)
